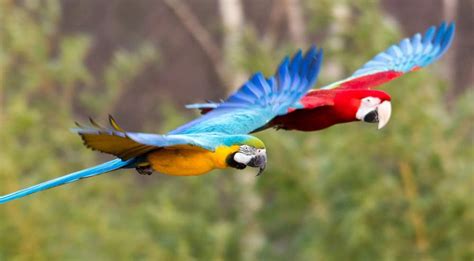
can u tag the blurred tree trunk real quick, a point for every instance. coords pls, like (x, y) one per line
(200, 34)
(296, 23)
(449, 9)
(461, 61)
(274, 20)
(252, 239)
(464, 45)
(417, 16)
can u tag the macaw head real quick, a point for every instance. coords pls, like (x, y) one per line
(251, 152)
(372, 106)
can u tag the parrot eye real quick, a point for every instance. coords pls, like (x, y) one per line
(371, 101)
(246, 149)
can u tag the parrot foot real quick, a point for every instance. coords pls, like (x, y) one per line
(144, 170)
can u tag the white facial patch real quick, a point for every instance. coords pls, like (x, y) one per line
(242, 158)
(247, 153)
(367, 105)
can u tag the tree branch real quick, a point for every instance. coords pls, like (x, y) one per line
(191, 23)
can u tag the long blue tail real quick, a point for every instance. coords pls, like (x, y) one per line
(81, 174)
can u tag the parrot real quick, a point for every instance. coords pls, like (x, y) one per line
(220, 139)
(354, 98)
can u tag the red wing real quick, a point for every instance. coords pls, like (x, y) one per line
(369, 81)
(317, 98)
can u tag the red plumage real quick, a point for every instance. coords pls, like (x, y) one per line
(324, 108)
(353, 98)
(371, 80)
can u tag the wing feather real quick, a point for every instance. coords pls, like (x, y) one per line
(259, 100)
(408, 55)
(127, 145)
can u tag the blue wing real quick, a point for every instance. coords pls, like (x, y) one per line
(259, 100)
(409, 55)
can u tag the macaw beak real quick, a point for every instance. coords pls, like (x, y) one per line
(380, 115)
(384, 111)
(259, 161)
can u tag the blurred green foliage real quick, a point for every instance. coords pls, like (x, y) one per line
(346, 193)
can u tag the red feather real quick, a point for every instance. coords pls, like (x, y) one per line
(317, 98)
(324, 108)
(371, 80)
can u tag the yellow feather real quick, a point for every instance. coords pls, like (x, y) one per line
(114, 124)
(188, 161)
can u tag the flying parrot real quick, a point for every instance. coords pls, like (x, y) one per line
(216, 140)
(354, 99)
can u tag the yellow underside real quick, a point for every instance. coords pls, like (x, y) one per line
(189, 161)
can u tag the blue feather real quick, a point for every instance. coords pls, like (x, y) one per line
(315, 68)
(439, 34)
(85, 173)
(283, 74)
(410, 52)
(295, 62)
(241, 113)
(428, 38)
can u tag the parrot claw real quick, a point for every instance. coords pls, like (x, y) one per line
(144, 170)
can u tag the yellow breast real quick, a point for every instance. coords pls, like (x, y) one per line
(188, 161)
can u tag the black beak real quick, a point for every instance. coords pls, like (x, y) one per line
(372, 117)
(258, 161)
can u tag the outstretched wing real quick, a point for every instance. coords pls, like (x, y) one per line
(260, 99)
(127, 145)
(409, 55)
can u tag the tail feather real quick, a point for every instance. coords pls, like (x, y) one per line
(85, 173)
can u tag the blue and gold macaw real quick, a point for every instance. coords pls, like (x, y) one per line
(216, 140)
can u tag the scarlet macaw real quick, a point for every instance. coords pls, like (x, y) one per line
(216, 140)
(353, 98)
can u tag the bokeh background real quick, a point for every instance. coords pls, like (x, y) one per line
(350, 192)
